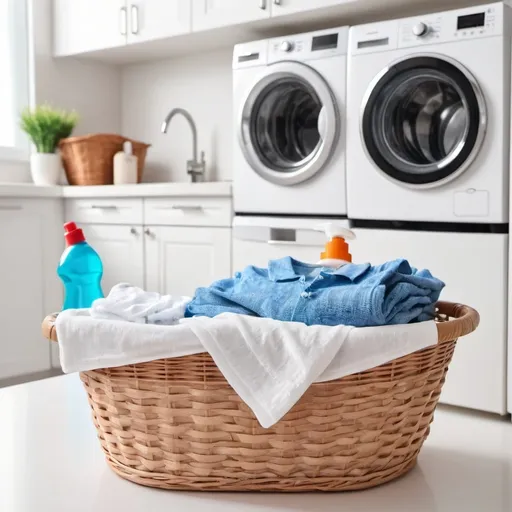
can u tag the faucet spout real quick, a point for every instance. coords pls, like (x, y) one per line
(188, 117)
(195, 169)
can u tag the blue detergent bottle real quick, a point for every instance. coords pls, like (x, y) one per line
(80, 269)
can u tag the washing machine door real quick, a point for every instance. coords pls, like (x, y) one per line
(289, 124)
(423, 120)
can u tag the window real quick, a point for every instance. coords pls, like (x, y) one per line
(14, 94)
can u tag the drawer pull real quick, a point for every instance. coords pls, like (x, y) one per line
(10, 207)
(183, 207)
(103, 207)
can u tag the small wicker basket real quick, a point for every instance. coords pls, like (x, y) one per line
(177, 423)
(89, 160)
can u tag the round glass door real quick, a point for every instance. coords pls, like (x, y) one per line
(423, 121)
(288, 124)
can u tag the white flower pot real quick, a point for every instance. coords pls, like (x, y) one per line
(45, 168)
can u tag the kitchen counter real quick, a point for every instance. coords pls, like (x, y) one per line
(207, 189)
(51, 462)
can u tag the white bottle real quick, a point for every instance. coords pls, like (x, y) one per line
(125, 165)
(336, 249)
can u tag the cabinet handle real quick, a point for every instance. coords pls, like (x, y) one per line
(133, 231)
(135, 19)
(190, 207)
(123, 21)
(104, 207)
(149, 233)
(277, 2)
(263, 4)
(10, 207)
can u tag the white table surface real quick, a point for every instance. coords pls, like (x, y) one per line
(50, 461)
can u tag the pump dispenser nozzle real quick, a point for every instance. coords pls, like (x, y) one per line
(336, 249)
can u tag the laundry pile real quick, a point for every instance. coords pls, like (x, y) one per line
(269, 362)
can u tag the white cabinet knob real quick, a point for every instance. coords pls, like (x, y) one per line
(420, 29)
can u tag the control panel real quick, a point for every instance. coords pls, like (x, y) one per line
(309, 46)
(469, 23)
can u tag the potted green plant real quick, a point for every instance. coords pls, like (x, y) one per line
(45, 127)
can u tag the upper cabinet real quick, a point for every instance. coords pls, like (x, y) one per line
(87, 25)
(281, 7)
(156, 19)
(208, 14)
(82, 26)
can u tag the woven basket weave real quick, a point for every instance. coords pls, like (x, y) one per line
(177, 423)
(89, 160)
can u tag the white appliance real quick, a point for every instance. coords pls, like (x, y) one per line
(256, 240)
(427, 170)
(428, 107)
(474, 267)
(289, 104)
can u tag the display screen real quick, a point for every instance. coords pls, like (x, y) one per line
(471, 21)
(373, 42)
(324, 42)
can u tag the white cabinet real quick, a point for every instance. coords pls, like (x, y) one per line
(282, 7)
(473, 267)
(156, 19)
(82, 26)
(208, 14)
(181, 259)
(121, 250)
(88, 25)
(30, 230)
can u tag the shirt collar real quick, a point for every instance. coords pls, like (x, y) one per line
(351, 271)
(288, 269)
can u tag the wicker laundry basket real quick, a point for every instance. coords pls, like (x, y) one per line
(89, 160)
(177, 424)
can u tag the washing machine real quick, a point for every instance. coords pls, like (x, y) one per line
(428, 107)
(289, 104)
(428, 119)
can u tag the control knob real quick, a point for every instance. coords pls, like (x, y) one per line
(286, 46)
(420, 29)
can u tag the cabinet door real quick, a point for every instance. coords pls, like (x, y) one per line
(473, 266)
(87, 25)
(217, 13)
(157, 19)
(181, 259)
(121, 249)
(23, 275)
(281, 7)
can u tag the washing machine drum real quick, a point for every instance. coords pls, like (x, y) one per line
(289, 124)
(423, 121)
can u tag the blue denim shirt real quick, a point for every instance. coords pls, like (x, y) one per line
(353, 294)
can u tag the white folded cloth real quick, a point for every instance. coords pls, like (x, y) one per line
(127, 302)
(269, 363)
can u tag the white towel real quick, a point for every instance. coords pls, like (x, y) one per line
(269, 363)
(126, 302)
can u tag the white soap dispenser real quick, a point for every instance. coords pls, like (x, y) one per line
(125, 165)
(336, 249)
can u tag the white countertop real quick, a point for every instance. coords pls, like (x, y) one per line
(207, 189)
(51, 461)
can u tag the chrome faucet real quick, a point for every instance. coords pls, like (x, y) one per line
(195, 168)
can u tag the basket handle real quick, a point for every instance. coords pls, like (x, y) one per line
(48, 327)
(463, 320)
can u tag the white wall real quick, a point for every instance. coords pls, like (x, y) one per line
(199, 83)
(92, 89)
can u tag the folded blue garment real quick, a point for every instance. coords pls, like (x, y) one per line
(353, 294)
